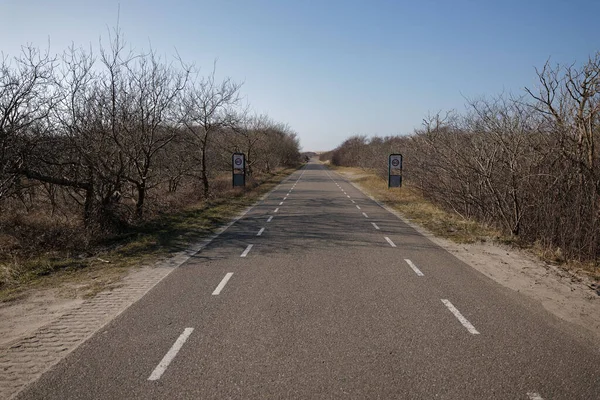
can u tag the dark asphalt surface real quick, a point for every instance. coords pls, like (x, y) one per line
(323, 306)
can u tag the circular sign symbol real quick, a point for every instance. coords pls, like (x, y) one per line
(395, 162)
(238, 161)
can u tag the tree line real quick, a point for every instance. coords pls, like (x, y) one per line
(103, 137)
(528, 165)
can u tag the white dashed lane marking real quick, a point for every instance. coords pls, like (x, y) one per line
(365, 214)
(164, 363)
(260, 232)
(270, 218)
(375, 225)
(390, 241)
(534, 396)
(414, 267)
(460, 317)
(245, 253)
(222, 284)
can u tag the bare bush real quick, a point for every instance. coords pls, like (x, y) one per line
(94, 143)
(26, 100)
(528, 165)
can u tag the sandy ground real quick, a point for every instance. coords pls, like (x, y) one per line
(21, 318)
(570, 297)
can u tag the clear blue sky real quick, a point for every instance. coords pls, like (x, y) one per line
(331, 69)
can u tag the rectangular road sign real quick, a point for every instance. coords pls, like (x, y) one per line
(238, 167)
(395, 170)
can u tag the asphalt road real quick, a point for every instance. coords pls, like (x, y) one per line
(318, 292)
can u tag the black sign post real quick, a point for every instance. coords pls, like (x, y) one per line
(395, 170)
(238, 165)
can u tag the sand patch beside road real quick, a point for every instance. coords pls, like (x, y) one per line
(564, 294)
(38, 308)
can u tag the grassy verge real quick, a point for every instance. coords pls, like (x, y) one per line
(409, 201)
(141, 245)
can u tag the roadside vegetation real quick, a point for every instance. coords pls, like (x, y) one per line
(526, 167)
(112, 156)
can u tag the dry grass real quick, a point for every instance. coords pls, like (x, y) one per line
(103, 265)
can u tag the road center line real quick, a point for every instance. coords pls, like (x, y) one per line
(460, 317)
(245, 253)
(270, 218)
(260, 232)
(281, 203)
(375, 225)
(277, 209)
(414, 267)
(164, 363)
(390, 241)
(347, 196)
(365, 214)
(353, 201)
(222, 284)
(357, 206)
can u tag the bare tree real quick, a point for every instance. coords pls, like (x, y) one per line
(96, 141)
(528, 166)
(209, 107)
(26, 100)
(569, 99)
(154, 92)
